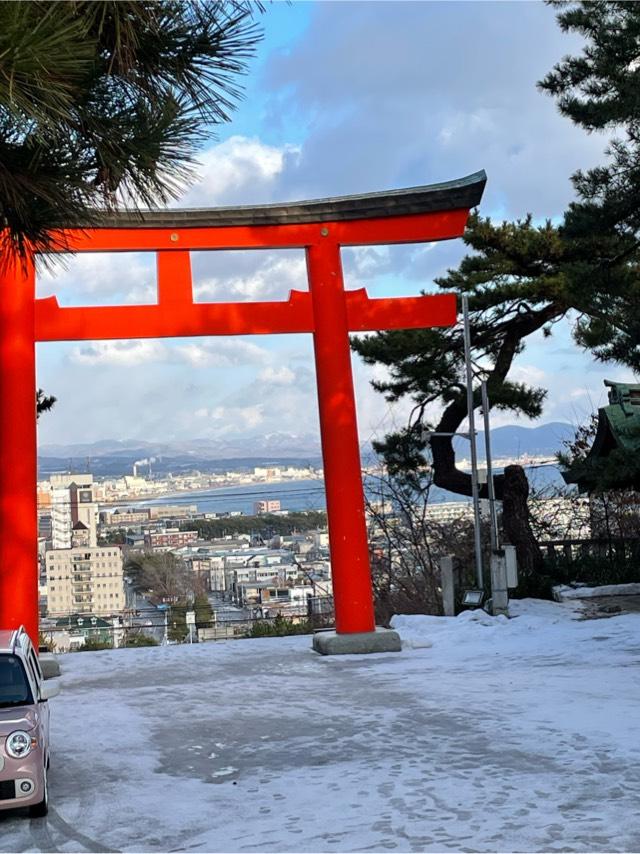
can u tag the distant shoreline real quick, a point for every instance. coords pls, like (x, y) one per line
(230, 484)
(235, 496)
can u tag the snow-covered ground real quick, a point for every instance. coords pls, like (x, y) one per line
(484, 734)
(582, 591)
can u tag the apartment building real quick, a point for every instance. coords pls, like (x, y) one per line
(446, 512)
(84, 579)
(168, 538)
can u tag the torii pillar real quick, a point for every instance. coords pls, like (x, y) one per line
(327, 311)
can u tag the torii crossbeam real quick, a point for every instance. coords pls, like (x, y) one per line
(327, 311)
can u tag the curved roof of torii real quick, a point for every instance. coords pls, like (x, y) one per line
(463, 193)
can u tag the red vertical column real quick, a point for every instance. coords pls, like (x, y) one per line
(351, 574)
(18, 472)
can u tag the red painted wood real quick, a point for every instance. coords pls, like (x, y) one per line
(175, 317)
(172, 319)
(366, 315)
(326, 311)
(415, 228)
(18, 471)
(350, 571)
(174, 279)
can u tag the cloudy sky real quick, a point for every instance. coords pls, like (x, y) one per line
(344, 97)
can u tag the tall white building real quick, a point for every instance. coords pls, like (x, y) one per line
(72, 501)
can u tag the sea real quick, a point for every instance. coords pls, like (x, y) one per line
(300, 495)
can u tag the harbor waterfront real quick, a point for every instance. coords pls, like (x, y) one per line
(301, 495)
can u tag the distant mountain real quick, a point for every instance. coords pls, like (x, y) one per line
(284, 444)
(110, 457)
(514, 441)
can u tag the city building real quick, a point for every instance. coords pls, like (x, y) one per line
(119, 518)
(266, 505)
(173, 511)
(446, 512)
(72, 501)
(84, 579)
(168, 538)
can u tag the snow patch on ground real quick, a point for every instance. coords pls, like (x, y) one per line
(563, 591)
(483, 734)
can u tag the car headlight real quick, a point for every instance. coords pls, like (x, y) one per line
(19, 744)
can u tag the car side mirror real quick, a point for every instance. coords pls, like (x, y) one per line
(49, 690)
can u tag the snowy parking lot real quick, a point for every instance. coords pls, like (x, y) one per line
(483, 734)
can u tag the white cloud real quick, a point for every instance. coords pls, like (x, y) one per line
(239, 418)
(363, 263)
(119, 353)
(529, 374)
(376, 416)
(216, 353)
(238, 171)
(220, 353)
(99, 278)
(277, 376)
(369, 80)
(272, 277)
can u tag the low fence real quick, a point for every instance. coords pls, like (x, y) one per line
(602, 560)
(319, 613)
(609, 548)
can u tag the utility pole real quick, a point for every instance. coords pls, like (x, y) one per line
(493, 514)
(498, 560)
(472, 442)
(165, 609)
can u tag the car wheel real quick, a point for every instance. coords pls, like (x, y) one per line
(41, 809)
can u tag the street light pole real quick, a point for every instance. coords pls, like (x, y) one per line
(493, 514)
(472, 442)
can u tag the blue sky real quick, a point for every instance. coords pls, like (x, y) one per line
(342, 98)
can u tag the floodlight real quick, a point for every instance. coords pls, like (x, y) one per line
(473, 597)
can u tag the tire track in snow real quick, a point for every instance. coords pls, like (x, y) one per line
(72, 834)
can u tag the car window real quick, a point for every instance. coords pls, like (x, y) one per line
(32, 668)
(35, 665)
(14, 685)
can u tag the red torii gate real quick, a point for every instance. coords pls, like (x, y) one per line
(321, 228)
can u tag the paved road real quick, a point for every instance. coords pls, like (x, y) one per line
(148, 619)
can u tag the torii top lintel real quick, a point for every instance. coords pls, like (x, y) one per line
(414, 215)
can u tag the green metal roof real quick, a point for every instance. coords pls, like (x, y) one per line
(618, 429)
(80, 621)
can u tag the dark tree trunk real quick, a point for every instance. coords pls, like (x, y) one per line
(516, 520)
(511, 488)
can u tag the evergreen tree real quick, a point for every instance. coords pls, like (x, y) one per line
(523, 279)
(177, 622)
(44, 402)
(515, 282)
(600, 90)
(104, 102)
(203, 611)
